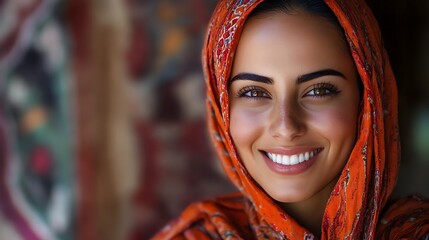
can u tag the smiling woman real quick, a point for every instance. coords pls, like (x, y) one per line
(302, 111)
(294, 110)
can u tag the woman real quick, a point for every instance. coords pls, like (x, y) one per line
(302, 111)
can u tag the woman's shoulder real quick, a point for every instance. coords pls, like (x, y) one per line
(218, 218)
(405, 218)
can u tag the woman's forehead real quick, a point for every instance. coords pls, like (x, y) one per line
(295, 43)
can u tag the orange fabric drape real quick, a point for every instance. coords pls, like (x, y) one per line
(354, 210)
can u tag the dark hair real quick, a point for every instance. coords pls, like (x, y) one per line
(313, 7)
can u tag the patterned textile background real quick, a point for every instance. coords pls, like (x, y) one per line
(65, 170)
(36, 164)
(178, 163)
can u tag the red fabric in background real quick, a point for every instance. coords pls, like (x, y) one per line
(177, 161)
(79, 19)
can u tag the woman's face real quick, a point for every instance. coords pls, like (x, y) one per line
(294, 104)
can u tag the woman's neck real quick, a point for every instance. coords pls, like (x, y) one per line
(309, 213)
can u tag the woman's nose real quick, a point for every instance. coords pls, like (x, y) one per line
(287, 122)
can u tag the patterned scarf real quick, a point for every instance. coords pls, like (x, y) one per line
(354, 210)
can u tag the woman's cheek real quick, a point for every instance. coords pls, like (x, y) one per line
(336, 123)
(246, 126)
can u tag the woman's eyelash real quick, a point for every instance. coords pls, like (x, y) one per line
(252, 92)
(322, 90)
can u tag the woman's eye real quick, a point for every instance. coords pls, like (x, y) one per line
(322, 90)
(252, 92)
(255, 93)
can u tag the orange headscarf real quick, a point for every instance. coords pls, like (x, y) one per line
(355, 207)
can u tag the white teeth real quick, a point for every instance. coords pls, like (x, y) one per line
(293, 159)
(278, 159)
(285, 160)
(301, 158)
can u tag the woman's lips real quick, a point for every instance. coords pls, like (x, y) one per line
(291, 161)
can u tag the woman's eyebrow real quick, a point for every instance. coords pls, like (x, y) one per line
(318, 74)
(252, 77)
(300, 79)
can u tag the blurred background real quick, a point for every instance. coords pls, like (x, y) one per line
(102, 113)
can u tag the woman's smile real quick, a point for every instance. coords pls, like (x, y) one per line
(291, 156)
(293, 160)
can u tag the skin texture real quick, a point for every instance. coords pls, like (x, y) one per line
(283, 115)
